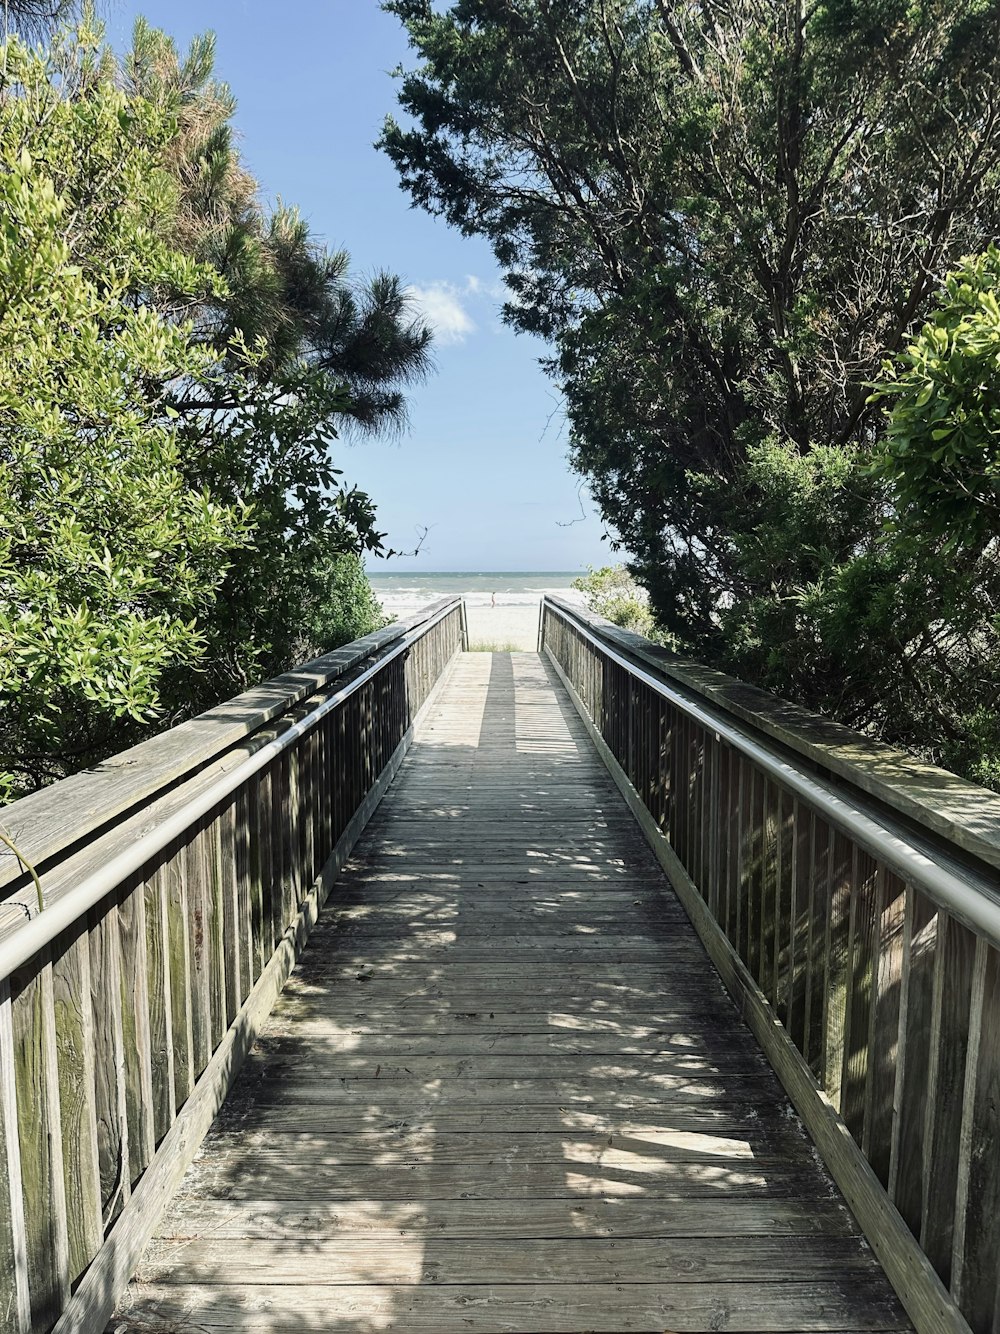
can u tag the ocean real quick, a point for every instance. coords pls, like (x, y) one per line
(402, 594)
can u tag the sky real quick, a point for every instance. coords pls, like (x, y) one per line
(483, 463)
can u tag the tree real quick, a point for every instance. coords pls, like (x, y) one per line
(612, 592)
(723, 218)
(304, 353)
(175, 365)
(942, 451)
(108, 555)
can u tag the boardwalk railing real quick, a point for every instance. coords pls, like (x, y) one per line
(180, 879)
(849, 897)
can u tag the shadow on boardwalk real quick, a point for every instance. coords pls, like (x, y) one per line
(504, 1089)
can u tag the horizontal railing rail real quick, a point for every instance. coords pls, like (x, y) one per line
(171, 918)
(862, 941)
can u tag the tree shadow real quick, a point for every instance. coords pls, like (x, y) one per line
(504, 1088)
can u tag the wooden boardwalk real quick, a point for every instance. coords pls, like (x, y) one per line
(505, 1091)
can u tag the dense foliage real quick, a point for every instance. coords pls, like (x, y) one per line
(174, 365)
(613, 593)
(725, 218)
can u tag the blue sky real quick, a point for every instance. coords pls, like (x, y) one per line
(483, 465)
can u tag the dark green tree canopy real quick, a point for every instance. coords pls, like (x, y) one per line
(724, 217)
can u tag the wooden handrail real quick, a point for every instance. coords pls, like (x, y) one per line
(174, 913)
(875, 994)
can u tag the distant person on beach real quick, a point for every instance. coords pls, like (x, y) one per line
(493, 599)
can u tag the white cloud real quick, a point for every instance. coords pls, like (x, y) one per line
(441, 306)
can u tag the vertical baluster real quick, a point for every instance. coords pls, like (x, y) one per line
(199, 949)
(289, 825)
(215, 925)
(15, 1302)
(160, 1006)
(258, 855)
(109, 1060)
(36, 1079)
(906, 1169)
(884, 1063)
(838, 962)
(977, 1227)
(178, 940)
(276, 816)
(817, 991)
(800, 945)
(769, 871)
(233, 933)
(74, 1030)
(744, 858)
(861, 973)
(245, 863)
(754, 829)
(267, 853)
(786, 907)
(135, 1028)
(949, 1043)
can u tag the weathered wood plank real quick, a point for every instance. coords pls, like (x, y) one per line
(158, 990)
(136, 1040)
(15, 1305)
(74, 1027)
(856, 1304)
(619, 1217)
(178, 945)
(36, 1079)
(109, 1059)
(339, 1261)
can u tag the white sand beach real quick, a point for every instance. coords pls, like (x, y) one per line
(502, 608)
(503, 627)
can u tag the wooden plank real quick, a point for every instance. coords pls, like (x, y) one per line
(838, 960)
(817, 990)
(544, 1309)
(136, 1039)
(158, 991)
(15, 1303)
(74, 1027)
(618, 1217)
(198, 889)
(36, 1080)
(215, 930)
(428, 1260)
(233, 921)
(178, 943)
(975, 1241)
(800, 948)
(907, 1176)
(244, 925)
(109, 1059)
(950, 1028)
(862, 972)
(884, 1065)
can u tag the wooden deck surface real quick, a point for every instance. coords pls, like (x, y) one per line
(504, 1090)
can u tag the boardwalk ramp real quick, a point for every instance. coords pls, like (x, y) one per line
(427, 990)
(504, 1089)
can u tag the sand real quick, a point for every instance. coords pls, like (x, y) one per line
(502, 627)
